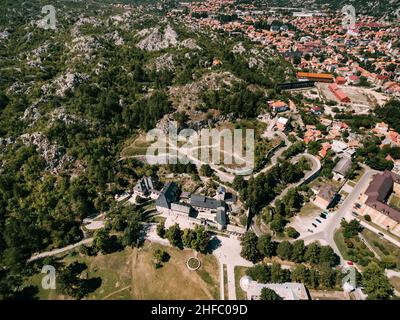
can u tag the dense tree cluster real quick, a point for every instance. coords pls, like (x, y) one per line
(322, 277)
(260, 191)
(256, 248)
(72, 284)
(375, 283)
(238, 100)
(196, 239)
(390, 113)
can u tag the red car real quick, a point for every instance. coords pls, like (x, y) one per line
(350, 263)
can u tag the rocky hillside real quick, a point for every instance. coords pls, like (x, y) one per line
(71, 97)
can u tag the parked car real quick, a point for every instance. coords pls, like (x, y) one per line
(323, 215)
(319, 221)
(350, 263)
(355, 214)
(357, 205)
(309, 230)
(381, 234)
(314, 225)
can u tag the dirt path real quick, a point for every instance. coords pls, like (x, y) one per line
(115, 292)
(60, 250)
(133, 266)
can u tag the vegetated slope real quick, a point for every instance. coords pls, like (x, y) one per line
(71, 97)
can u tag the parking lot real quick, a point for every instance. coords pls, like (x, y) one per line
(309, 220)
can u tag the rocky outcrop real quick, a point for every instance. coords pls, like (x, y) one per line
(157, 40)
(83, 48)
(239, 48)
(190, 96)
(4, 35)
(52, 155)
(165, 62)
(115, 37)
(189, 44)
(34, 59)
(65, 82)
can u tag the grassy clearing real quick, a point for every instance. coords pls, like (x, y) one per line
(136, 147)
(395, 201)
(351, 183)
(225, 282)
(239, 273)
(130, 274)
(339, 240)
(309, 209)
(395, 282)
(354, 249)
(383, 247)
(359, 173)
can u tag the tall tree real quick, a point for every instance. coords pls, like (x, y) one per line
(284, 250)
(249, 247)
(266, 246)
(174, 235)
(269, 294)
(298, 251)
(375, 283)
(311, 254)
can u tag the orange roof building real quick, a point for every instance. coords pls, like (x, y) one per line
(319, 77)
(339, 94)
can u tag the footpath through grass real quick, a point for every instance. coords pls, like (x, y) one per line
(130, 274)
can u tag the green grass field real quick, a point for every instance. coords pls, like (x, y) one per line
(225, 282)
(354, 249)
(339, 240)
(239, 273)
(130, 274)
(395, 201)
(383, 247)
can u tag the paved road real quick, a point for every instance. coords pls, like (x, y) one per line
(375, 230)
(277, 154)
(228, 253)
(60, 250)
(334, 219)
(316, 166)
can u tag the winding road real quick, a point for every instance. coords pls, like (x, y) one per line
(344, 212)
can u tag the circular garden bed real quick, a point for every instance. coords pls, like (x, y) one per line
(193, 263)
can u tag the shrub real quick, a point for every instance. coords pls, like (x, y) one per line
(292, 232)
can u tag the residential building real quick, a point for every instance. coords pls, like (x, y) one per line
(168, 195)
(145, 187)
(279, 106)
(342, 168)
(377, 200)
(325, 196)
(287, 290)
(281, 123)
(339, 94)
(198, 209)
